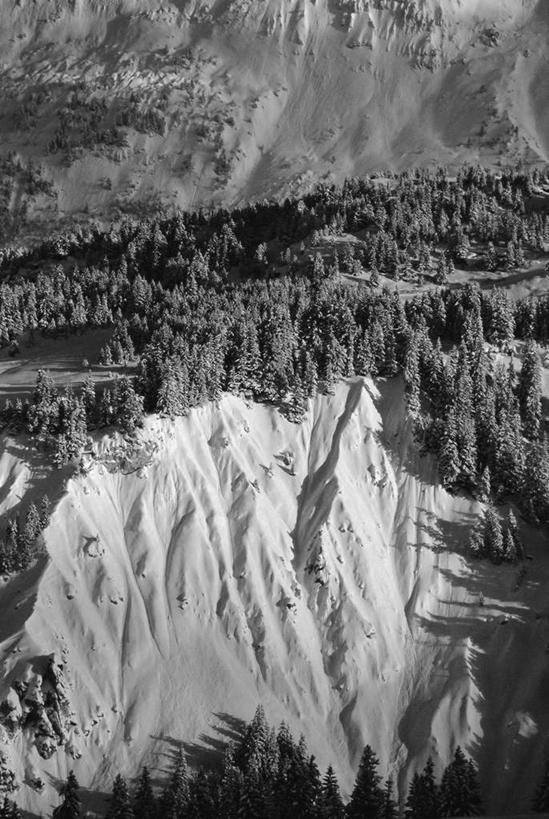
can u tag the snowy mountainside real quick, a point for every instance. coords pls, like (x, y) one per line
(234, 558)
(128, 104)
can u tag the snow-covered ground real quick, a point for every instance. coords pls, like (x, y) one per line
(194, 575)
(267, 98)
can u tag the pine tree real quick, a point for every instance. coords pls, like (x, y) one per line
(449, 462)
(44, 512)
(120, 805)
(485, 485)
(254, 741)
(429, 798)
(31, 528)
(311, 791)
(89, 401)
(70, 808)
(510, 455)
(128, 406)
(331, 803)
(144, 802)
(491, 258)
(509, 552)
(176, 793)
(441, 275)
(12, 545)
(536, 484)
(512, 527)
(203, 798)
(413, 802)
(460, 789)
(367, 797)
(493, 535)
(476, 807)
(390, 810)
(529, 391)
(8, 784)
(9, 809)
(231, 787)
(412, 377)
(475, 545)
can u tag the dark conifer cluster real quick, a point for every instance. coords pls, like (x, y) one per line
(22, 542)
(267, 775)
(480, 416)
(60, 420)
(500, 544)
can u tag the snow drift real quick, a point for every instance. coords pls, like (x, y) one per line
(230, 558)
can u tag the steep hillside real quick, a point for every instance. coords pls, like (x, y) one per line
(233, 557)
(129, 104)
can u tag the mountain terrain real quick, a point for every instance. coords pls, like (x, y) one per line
(138, 104)
(233, 557)
(282, 520)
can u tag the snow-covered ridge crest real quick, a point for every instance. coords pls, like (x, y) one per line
(317, 568)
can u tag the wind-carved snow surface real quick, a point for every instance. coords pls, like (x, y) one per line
(232, 558)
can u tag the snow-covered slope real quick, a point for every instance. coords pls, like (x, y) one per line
(194, 575)
(263, 97)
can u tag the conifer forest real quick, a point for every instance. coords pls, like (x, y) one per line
(278, 302)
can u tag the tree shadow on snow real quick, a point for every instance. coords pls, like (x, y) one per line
(397, 437)
(18, 597)
(445, 535)
(95, 803)
(42, 479)
(208, 750)
(479, 639)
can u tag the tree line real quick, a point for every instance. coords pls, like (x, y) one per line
(266, 774)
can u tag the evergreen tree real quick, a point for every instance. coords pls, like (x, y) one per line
(441, 275)
(176, 793)
(412, 378)
(144, 802)
(31, 528)
(231, 787)
(459, 788)
(475, 546)
(44, 512)
(413, 802)
(128, 405)
(330, 803)
(476, 807)
(449, 461)
(509, 552)
(485, 485)
(120, 805)
(203, 798)
(390, 810)
(491, 258)
(512, 528)
(89, 402)
(70, 807)
(8, 784)
(428, 793)
(493, 535)
(529, 391)
(367, 797)
(9, 809)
